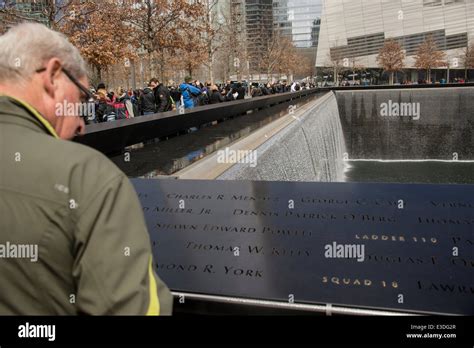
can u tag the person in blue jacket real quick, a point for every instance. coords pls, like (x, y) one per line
(189, 93)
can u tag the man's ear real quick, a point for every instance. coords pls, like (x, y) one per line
(52, 76)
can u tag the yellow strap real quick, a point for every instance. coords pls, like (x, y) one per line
(37, 115)
(154, 306)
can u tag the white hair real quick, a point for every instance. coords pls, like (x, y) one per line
(26, 47)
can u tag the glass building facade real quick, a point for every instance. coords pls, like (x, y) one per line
(356, 30)
(299, 20)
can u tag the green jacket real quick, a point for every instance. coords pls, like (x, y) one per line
(83, 216)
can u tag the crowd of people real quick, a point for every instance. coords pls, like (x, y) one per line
(156, 97)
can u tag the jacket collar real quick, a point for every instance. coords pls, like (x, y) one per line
(19, 112)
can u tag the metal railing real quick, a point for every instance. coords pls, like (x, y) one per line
(113, 137)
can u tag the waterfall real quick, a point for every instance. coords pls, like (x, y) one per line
(312, 148)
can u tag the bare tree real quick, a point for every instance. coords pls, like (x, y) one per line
(163, 27)
(337, 62)
(192, 52)
(429, 57)
(233, 50)
(302, 66)
(355, 66)
(468, 59)
(53, 13)
(101, 48)
(391, 58)
(279, 56)
(213, 28)
(292, 61)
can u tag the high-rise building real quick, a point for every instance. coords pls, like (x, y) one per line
(356, 30)
(300, 21)
(259, 20)
(258, 28)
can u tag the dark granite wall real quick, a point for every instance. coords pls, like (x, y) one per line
(445, 127)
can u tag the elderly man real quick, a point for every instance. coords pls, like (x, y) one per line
(73, 239)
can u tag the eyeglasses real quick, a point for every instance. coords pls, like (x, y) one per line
(87, 96)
